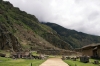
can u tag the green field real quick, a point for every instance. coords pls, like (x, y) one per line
(78, 63)
(19, 62)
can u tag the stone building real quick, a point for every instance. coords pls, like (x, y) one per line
(92, 50)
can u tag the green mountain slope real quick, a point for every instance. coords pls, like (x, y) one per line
(21, 31)
(74, 38)
(27, 31)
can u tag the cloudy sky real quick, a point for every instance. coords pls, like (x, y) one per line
(80, 15)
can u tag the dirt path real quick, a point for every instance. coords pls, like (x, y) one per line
(54, 62)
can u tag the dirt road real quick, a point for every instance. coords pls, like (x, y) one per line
(54, 62)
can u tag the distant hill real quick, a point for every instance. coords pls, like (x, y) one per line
(72, 37)
(22, 31)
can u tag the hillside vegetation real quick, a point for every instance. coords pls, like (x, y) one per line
(20, 31)
(27, 31)
(72, 37)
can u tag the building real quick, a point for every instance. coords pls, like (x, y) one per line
(92, 50)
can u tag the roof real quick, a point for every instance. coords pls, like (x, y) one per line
(91, 45)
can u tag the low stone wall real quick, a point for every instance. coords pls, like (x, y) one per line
(56, 52)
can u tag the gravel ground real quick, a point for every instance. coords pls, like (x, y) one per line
(54, 62)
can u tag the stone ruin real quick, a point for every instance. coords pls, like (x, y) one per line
(20, 55)
(84, 59)
(2, 55)
(68, 57)
(27, 55)
(96, 62)
(63, 57)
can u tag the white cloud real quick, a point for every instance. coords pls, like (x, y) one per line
(81, 15)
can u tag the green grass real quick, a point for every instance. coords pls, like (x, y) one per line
(35, 53)
(78, 63)
(19, 62)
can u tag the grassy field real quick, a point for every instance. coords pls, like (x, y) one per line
(78, 63)
(19, 62)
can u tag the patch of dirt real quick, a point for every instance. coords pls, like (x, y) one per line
(54, 62)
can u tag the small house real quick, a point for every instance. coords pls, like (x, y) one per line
(92, 50)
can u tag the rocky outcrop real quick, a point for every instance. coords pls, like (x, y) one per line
(7, 40)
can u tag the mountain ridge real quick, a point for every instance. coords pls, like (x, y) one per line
(74, 37)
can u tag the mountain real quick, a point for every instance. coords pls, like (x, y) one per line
(72, 37)
(20, 31)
